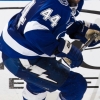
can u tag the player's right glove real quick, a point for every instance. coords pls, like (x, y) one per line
(75, 56)
(70, 51)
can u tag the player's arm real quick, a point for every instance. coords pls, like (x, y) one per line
(42, 35)
(43, 39)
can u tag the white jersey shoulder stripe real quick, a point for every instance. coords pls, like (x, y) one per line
(15, 45)
(34, 25)
(18, 47)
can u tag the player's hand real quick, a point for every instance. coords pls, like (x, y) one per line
(68, 50)
(90, 33)
(94, 28)
(75, 56)
(84, 31)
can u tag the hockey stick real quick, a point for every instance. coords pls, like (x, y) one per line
(93, 37)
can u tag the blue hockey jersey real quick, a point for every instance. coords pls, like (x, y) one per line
(35, 31)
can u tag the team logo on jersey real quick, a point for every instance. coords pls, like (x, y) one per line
(63, 2)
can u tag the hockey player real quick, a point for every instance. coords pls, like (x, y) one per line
(31, 41)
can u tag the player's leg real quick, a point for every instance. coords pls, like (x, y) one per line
(74, 87)
(46, 73)
(32, 92)
(49, 74)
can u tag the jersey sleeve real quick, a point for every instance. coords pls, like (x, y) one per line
(43, 39)
(41, 34)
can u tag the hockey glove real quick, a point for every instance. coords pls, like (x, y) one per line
(66, 49)
(95, 29)
(83, 30)
(75, 56)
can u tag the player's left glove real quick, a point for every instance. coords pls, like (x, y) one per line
(66, 49)
(83, 31)
(90, 32)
